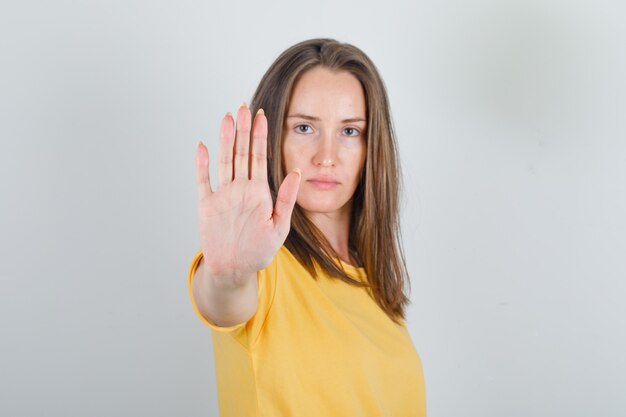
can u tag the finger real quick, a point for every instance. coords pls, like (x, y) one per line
(202, 171)
(225, 165)
(242, 142)
(258, 163)
(285, 201)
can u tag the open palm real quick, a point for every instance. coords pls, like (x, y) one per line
(240, 228)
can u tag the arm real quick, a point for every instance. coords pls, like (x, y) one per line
(237, 216)
(222, 303)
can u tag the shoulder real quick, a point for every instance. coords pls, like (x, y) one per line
(285, 258)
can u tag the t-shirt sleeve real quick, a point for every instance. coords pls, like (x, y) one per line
(248, 331)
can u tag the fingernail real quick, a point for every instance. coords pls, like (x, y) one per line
(260, 111)
(200, 143)
(243, 104)
(298, 171)
(228, 114)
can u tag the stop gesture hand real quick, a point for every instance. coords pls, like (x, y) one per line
(240, 228)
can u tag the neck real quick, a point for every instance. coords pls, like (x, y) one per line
(336, 228)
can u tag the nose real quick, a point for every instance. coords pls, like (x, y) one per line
(326, 152)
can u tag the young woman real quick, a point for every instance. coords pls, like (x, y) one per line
(301, 275)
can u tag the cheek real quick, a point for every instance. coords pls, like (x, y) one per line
(358, 160)
(290, 157)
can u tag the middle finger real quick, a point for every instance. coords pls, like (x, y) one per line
(242, 142)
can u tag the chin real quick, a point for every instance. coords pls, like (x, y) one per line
(328, 205)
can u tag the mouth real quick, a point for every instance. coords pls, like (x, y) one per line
(323, 183)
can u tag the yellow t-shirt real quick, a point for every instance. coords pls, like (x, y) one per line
(314, 348)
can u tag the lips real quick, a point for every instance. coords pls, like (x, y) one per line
(322, 179)
(323, 183)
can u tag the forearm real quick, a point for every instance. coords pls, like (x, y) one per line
(224, 304)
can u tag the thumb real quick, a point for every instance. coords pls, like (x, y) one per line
(286, 200)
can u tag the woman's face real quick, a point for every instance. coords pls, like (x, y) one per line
(325, 137)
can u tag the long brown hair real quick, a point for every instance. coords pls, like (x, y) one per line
(375, 240)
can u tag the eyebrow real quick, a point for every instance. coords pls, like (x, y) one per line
(317, 119)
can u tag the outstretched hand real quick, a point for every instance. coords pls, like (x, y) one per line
(240, 229)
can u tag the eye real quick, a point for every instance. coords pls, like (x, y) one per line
(303, 129)
(350, 131)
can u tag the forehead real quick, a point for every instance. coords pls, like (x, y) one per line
(321, 92)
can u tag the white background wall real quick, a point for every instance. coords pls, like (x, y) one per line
(511, 118)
